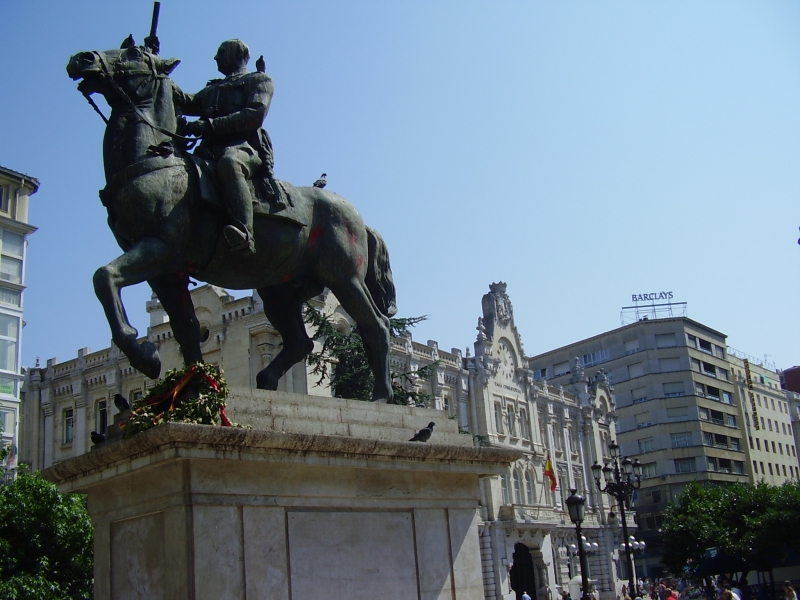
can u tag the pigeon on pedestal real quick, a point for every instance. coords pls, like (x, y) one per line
(423, 435)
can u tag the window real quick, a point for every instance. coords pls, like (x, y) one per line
(784, 428)
(717, 417)
(727, 398)
(10, 269)
(735, 444)
(631, 346)
(655, 496)
(695, 364)
(649, 470)
(702, 413)
(784, 470)
(4, 198)
(595, 358)
(780, 448)
(763, 472)
(646, 445)
(709, 369)
(9, 296)
(669, 364)
(763, 425)
(639, 395)
(665, 340)
(518, 489)
(722, 374)
(102, 417)
(720, 441)
(504, 488)
(498, 418)
(712, 392)
(751, 442)
(69, 425)
(540, 374)
(9, 332)
(708, 438)
(719, 351)
(704, 346)
(772, 400)
(730, 420)
(766, 445)
(135, 396)
(691, 340)
(561, 369)
(512, 430)
(529, 487)
(636, 370)
(681, 440)
(773, 448)
(684, 465)
(755, 467)
(770, 468)
(674, 389)
(678, 413)
(699, 389)
(769, 424)
(523, 424)
(758, 444)
(643, 419)
(8, 385)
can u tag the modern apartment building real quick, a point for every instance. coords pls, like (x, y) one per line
(766, 409)
(15, 191)
(677, 404)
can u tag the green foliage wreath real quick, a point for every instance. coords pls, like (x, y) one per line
(195, 394)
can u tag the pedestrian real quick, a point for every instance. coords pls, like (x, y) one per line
(525, 596)
(788, 591)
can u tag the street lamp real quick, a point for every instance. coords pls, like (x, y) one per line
(576, 505)
(620, 481)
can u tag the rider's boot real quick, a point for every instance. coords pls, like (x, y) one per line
(240, 235)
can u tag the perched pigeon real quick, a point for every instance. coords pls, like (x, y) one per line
(423, 435)
(121, 403)
(322, 181)
(97, 437)
(261, 66)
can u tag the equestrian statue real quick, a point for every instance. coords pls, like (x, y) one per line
(219, 215)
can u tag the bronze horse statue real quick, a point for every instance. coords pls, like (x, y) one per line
(169, 233)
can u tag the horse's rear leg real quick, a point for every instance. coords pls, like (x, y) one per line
(374, 329)
(283, 306)
(147, 259)
(173, 293)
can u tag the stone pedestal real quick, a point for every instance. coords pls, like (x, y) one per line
(199, 512)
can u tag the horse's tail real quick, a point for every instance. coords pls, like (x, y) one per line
(379, 274)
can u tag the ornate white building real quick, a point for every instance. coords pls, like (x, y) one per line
(524, 527)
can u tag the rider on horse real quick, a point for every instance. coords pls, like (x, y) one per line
(231, 112)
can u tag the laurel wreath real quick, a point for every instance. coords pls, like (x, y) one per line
(194, 394)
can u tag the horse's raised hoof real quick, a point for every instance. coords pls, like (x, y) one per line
(148, 361)
(265, 382)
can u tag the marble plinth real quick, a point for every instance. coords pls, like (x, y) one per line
(199, 512)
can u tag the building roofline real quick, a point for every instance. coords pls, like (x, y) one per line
(624, 327)
(11, 173)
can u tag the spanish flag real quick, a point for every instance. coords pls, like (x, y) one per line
(548, 472)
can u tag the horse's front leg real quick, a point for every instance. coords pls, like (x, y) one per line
(148, 258)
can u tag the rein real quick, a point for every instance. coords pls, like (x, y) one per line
(188, 142)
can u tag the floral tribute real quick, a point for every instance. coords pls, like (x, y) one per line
(195, 394)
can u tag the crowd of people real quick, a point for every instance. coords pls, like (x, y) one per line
(672, 589)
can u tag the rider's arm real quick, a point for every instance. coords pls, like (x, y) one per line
(249, 119)
(185, 102)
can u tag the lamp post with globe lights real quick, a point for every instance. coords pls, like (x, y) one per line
(621, 480)
(576, 505)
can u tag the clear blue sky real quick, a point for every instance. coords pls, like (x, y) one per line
(579, 151)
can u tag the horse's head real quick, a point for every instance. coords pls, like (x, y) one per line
(132, 70)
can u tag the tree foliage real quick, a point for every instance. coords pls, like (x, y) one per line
(759, 523)
(342, 359)
(45, 542)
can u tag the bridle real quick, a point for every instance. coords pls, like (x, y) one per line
(108, 75)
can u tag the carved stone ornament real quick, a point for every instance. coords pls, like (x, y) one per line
(504, 310)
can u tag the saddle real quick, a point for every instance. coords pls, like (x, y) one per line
(282, 203)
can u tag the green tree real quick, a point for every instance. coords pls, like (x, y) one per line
(756, 522)
(342, 359)
(45, 542)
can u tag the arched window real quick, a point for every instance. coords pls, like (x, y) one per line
(511, 429)
(504, 487)
(518, 499)
(529, 488)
